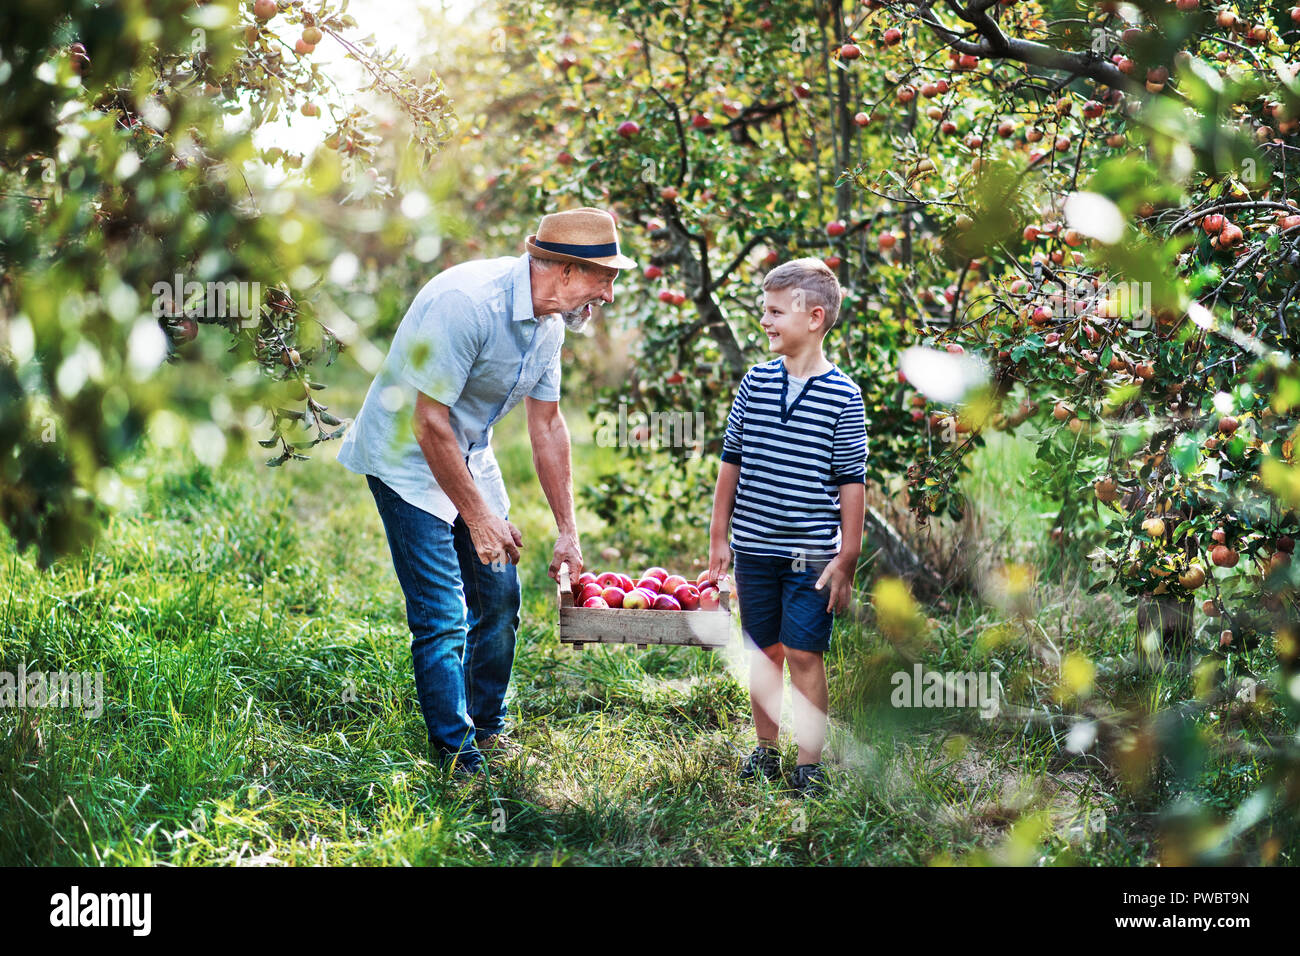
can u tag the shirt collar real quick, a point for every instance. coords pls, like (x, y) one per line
(522, 307)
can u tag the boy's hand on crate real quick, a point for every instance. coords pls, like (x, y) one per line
(719, 558)
(567, 551)
(839, 576)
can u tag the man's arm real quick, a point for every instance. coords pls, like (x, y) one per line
(494, 538)
(553, 463)
(724, 503)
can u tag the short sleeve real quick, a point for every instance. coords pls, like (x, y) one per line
(442, 348)
(731, 439)
(849, 457)
(547, 388)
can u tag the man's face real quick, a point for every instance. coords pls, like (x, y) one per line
(581, 287)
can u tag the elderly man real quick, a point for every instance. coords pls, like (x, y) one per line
(479, 337)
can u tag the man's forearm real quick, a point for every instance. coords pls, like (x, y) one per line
(554, 466)
(442, 452)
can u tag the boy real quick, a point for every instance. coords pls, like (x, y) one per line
(791, 487)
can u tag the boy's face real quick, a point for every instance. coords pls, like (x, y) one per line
(788, 321)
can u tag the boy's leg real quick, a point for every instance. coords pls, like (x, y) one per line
(808, 676)
(766, 689)
(758, 596)
(424, 557)
(492, 600)
(806, 636)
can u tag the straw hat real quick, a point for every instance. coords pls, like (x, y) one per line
(586, 235)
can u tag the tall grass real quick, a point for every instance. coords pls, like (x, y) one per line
(261, 710)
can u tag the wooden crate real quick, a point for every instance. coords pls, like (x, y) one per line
(589, 625)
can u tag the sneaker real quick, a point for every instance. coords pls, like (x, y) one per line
(809, 780)
(764, 760)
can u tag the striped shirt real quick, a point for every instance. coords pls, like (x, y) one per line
(794, 450)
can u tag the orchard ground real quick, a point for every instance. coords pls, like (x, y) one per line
(260, 708)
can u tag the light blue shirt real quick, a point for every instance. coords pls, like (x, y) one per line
(470, 341)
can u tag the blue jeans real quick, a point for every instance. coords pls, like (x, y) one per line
(463, 616)
(778, 602)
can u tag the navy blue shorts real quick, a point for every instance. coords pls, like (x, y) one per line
(779, 603)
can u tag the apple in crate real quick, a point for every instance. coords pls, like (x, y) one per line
(658, 573)
(625, 582)
(709, 599)
(666, 602)
(588, 592)
(586, 577)
(608, 579)
(637, 600)
(703, 579)
(688, 597)
(649, 584)
(613, 596)
(595, 602)
(670, 584)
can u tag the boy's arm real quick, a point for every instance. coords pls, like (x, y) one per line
(724, 502)
(724, 493)
(849, 466)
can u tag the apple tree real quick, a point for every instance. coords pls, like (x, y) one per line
(146, 237)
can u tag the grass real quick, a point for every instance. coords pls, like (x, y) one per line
(261, 710)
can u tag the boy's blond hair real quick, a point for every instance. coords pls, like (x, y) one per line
(815, 280)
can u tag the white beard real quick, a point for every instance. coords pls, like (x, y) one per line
(576, 320)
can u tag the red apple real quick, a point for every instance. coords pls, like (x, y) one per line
(700, 121)
(850, 51)
(636, 600)
(650, 584)
(891, 36)
(608, 579)
(625, 582)
(613, 596)
(704, 576)
(595, 603)
(653, 272)
(671, 583)
(589, 591)
(710, 600)
(836, 228)
(627, 129)
(265, 9)
(688, 597)
(666, 602)
(655, 572)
